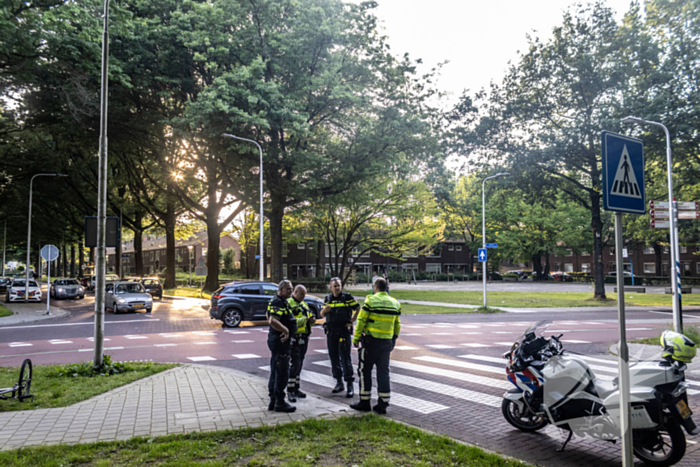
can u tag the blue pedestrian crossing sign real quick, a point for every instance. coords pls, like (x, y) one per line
(482, 254)
(623, 173)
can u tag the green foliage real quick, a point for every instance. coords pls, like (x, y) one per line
(86, 369)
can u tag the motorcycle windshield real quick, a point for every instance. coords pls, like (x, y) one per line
(534, 331)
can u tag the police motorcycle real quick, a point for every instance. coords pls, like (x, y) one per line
(557, 388)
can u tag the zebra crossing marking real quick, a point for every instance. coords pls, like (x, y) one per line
(201, 359)
(20, 344)
(164, 345)
(405, 347)
(475, 345)
(440, 346)
(451, 374)
(457, 363)
(205, 343)
(245, 356)
(243, 342)
(132, 337)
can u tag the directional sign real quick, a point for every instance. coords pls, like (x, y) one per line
(682, 205)
(687, 214)
(657, 214)
(482, 254)
(49, 252)
(660, 224)
(623, 173)
(492, 245)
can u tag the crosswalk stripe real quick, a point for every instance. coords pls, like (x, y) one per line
(20, 344)
(465, 365)
(440, 346)
(451, 374)
(503, 362)
(398, 400)
(444, 389)
(484, 358)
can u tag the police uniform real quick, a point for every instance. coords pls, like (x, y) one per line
(279, 361)
(378, 327)
(338, 329)
(300, 343)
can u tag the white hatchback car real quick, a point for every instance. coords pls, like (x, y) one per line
(128, 296)
(108, 278)
(16, 290)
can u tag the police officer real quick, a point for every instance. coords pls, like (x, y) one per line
(283, 325)
(378, 328)
(300, 340)
(340, 311)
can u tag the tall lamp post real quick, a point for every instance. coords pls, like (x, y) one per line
(262, 222)
(483, 220)
(189, 247)
(675, 253)
(29, 229)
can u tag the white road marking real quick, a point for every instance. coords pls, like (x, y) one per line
(405, 347)
(398, 400)
(444, 389)
(114, 348)
(475, 345)
(507, 344)
(204, 333)
(457, 375)
(408, 335)
(484, 358)
(71, 324)
(92, 339)
(467, 326)
(316, 338)
(574, 341)
(205, 343)
(321, 350)
(465, 365)
(132, 337)
(201, 359)
(165, 345)
(505, 332)
(237, 332)
(243, 342)
(85, 350)
(440, 346)
(167, 334)
(246, 355)
(58, 341)
(442, 333)
(20, 344)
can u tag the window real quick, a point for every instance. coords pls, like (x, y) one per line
(301, 246)
(269, 290)
(204, 251)
(284, 250)
(697, 267)
(568, 267)
(585, 253)
(686, 266)
(330, 250)
(586, 267)
(450, 248)
(665, 249)
(409, 267)
(684, 249)
(268, 250)
(459, 247)
(612, 266)
(433, 267)
(433, 252)
(612, 251)
(248, 290)
(569, 252)
(650, 268)
(648, 250)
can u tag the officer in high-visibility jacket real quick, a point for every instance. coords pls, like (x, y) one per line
(340, 310)
(377, 329)
(283, 326)
(300, 341)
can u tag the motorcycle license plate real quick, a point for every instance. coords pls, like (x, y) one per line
(683, 409)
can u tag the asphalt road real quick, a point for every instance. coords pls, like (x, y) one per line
(447, 374)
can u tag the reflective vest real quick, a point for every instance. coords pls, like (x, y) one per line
(280, 309)
(301, 312)
(342, 308)
(378, 318)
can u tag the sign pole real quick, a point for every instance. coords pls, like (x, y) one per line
(48, 288)
(623, 358)
(677, 302)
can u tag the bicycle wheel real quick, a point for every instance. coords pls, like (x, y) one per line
(25, 380)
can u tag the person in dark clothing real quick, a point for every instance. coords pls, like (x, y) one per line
(340, 311)
(283, 325)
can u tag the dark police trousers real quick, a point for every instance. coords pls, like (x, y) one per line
(374, 352)
(279, 368)
(298, 351)
(339, 341)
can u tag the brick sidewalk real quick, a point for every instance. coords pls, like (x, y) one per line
(181, 400)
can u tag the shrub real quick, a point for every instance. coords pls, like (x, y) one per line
(86, 369)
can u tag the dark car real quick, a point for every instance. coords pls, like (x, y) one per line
(153, 287)
(492, 276)
(247, 301)
(4, 284)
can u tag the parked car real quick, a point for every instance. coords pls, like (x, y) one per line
(153, 286)
(127, 296)
(247, 301)
(4, 284)
(561, 276)
(66, 288)
(108, 278)
(17, 290)
(492, 276)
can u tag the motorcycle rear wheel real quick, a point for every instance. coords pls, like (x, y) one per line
(662, 447)
(526, 421)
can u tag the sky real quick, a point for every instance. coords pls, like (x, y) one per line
(477, 37)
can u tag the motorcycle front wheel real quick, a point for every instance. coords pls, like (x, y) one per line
(661, 447)
(524, 421)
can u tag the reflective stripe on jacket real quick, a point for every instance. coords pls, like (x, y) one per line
(301, 313)
(379, 317)
(342, 308)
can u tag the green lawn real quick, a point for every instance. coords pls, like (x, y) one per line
(187, 292)
(52, 390)
(534, 299)
(349, 441)
(5, 312)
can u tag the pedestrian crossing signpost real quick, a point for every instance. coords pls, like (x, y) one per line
(623, 192)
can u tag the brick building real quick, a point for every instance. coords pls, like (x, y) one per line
(154, 251)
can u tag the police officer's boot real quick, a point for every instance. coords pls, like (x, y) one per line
(291, 395)
(298, 393)
(271, 405)
(351, 391)
(362, 406)
(284, 407)
(340, 387)
(381, 406)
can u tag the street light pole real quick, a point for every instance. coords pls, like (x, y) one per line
(261, 197)
(189, 248)
(4, 248)
(29, 231)
(673, 207)
(100, 263)
(483, 221)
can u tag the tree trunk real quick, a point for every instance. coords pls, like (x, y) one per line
(72, 261)
(597, 227)
(547, 267)
(537, 265)
(169, 247)
(138, 252)
(319, 268)
(64, 261)
(657, 258)
(118, 256)
(212, 281)
(81, 257)
(276, 216)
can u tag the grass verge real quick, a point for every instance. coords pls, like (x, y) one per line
(5, 312)
(690, 331)
(64, 385)
(535, 299)
(187, 292)
(369, 440)
(411, 309)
